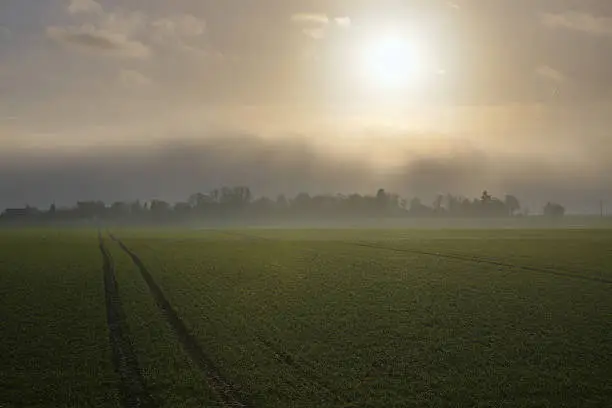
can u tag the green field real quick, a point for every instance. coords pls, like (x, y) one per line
(305, 318)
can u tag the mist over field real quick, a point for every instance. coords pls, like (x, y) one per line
(174, 169)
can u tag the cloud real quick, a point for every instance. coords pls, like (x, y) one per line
(315, 24)
(84, 6)
(344, 22)
(90, 38)
(453, 5)
(579, 21)
(550, 74)
(131, 34)
(183, 33)
(128, 23)
(310, 18)
(133, 79)
(183, 25)
(316, 33)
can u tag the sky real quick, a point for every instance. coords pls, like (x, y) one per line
(118, 100)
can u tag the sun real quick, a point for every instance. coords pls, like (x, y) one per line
(394, 61)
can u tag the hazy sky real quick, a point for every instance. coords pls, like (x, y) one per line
(155, 98)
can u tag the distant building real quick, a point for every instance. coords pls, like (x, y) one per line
(18, 213)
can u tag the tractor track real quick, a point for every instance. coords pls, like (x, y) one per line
(306, 371)
(132, 389)
(486, 261)
(227, 392)
(457, 257)
(303, 369)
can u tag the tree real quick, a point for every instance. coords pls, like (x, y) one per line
(281, 202)
(182, 208)
(467, 208)
(262, 206)
(159, 207)
(119, 209)
(512, 204)
(199, 200)
(215, 195)
(382, 200)
(235, 197)
(243, 195)
(437, 204)
(486, 197)
(91, 209)
(301, 202)
(237, 203)
(418, 209)
(395, 204)
(554, 210)
(491, 206)
(136, 207)
(453, 204)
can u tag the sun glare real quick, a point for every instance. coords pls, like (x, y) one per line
(394, 61)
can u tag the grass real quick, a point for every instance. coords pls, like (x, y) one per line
(367, 318)
(172, 379)
(53, 336)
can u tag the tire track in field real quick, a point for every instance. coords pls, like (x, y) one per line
(132, 389)
(307, 371)
(300, 369)
(304, 369)
(226, 391)
(486, 261)
(457, 257)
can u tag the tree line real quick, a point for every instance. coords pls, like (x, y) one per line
(238, 203)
